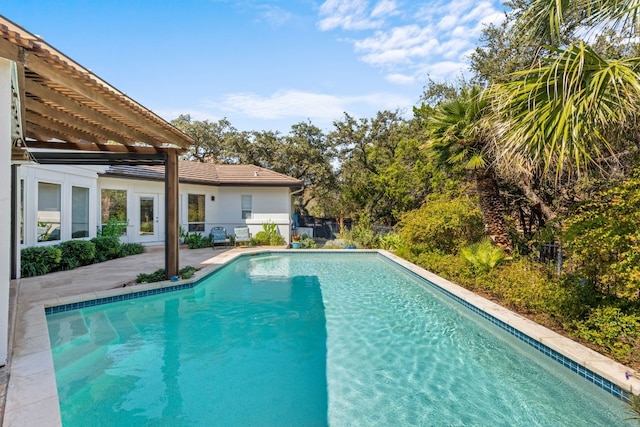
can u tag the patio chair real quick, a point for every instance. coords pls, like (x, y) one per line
(218, 235)
(242, 234)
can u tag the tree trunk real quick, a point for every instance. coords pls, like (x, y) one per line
(547, 212)
(492, 209)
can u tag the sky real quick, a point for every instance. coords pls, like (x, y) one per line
(264, 65)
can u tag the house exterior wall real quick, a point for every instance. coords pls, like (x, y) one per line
(5, 201)
(66, 177)
(222, 204)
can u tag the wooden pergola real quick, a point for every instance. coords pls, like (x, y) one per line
(60, 105)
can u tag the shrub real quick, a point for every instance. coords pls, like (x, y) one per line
(391, 242)
(76, 253)
(187, 272)
(268, 236)
(127, 249)
(114, 227)
(307, 242)
(39, 260)
(160, 275)
(107, 247)
(612, 329)
(157, 276)
(602, 239)
(444, 223)
(482, 256)
(196, 240)
(364, 236)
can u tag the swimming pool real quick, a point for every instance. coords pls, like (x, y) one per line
(309, 339)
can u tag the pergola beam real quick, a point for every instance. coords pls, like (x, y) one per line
(87, 89)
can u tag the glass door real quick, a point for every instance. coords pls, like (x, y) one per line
(148, 219)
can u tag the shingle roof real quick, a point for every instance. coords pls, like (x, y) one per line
(209, 173)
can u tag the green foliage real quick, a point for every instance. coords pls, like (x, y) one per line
(157, 276)
(529, 288)
(160, 275)
(482, 256)
(602, 240)
(268, 236)
(613, 329)
(363, 235)
(307, 242)
(39, 260)
(391, 242)
(187, 272)
(127, 249)
(114, 227)
(444, 223)
(196, 240)
(107, 247)
(76, 253)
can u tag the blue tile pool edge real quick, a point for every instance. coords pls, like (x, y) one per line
(567, 362)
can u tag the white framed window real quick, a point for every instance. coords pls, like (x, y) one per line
(79, 212)
(195, 212)
(48, 211)
(246, 207)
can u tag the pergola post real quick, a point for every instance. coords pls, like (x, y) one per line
(172, 259)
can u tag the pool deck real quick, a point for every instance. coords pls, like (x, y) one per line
(30, 394)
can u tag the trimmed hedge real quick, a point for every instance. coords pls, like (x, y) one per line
(39, 260)
(76, 253)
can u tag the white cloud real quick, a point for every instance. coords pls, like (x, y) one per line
(400, 79)
(275, 16)
(442, 33)
(398, 46)
(354, 14)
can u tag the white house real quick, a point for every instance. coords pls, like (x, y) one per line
(72, 202)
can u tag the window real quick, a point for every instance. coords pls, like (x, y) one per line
(114, 207)
(195, 213)
(48, 211)
(246, 207)
(79, 212)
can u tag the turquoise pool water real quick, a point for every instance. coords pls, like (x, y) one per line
(306, 340)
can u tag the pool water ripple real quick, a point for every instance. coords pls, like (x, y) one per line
(310, 340)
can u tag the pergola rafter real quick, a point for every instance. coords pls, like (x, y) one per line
(64, 106)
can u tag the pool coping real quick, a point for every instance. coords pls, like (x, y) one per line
(32, 397)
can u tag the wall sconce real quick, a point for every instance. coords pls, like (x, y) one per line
(213, 198)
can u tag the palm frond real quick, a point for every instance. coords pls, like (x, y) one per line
(557, 113)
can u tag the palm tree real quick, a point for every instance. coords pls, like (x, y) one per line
(564, 113)
(458, 138)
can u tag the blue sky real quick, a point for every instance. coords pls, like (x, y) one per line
(264, 64)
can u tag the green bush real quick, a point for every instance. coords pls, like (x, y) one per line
(444, 223)
(39, 260)
(614, 330)
(107, 247)
(187, 272)
(114, 227)
(268, 236)
(529, 288)
(127, 249)
(307, 242)
(363, 235)
(160, 275)
(76, 253)
(391, 242)
(602, 240)
(196, 240)
(157, 276)
(482, 256)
